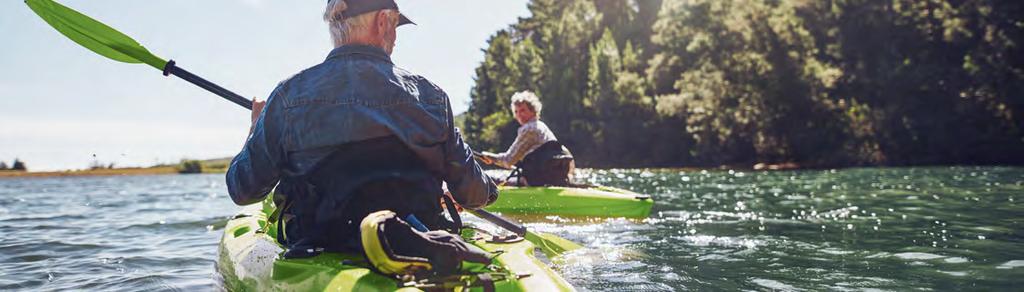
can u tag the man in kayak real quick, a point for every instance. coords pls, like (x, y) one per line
(355, 135)
(536, 154)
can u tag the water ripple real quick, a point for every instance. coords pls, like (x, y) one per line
(933, 228)
(112, 233)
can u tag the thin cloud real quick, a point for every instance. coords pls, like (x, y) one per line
(255, 3)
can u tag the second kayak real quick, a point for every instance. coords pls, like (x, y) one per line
(594, 201)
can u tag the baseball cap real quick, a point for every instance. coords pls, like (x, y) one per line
(358, 7)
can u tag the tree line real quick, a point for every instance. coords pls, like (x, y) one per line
(16, 165)
(821, 83)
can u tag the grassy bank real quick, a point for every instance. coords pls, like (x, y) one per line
(91, 172)
(207, 166)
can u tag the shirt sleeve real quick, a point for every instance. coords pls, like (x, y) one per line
(256, 169)
(527, 139)
(469, 185)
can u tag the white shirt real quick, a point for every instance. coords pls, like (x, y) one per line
(530, 135)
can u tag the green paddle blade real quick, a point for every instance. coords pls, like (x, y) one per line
(551, 244)
(94, 35)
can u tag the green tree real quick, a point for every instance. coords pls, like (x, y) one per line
(712, 82)
(488, 109)
(190, 166)
(19, 165)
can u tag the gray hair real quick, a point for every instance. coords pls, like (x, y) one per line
(341, 28)
(529, 99)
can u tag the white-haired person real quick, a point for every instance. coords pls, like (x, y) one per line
(357, 143)
(536, 156)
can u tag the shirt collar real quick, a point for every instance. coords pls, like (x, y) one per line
(348, 50)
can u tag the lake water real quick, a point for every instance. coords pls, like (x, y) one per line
(939, 228)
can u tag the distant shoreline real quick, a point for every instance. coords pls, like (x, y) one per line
(165, 169)
(218, 165)
(91, 172)
(99, 172)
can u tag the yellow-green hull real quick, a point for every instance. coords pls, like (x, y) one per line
(597, 201)
(250, 260)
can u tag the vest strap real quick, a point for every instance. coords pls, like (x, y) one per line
(454, 213)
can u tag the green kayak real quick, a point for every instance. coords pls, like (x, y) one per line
(249, 260)
(594, 201)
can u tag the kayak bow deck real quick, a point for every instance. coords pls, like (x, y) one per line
(593, 201)
(250, 259)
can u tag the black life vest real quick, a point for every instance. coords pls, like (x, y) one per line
(324, 208)
(548, 165)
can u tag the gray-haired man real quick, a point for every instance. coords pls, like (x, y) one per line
(354, 135)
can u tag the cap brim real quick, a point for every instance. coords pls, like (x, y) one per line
(402, 20)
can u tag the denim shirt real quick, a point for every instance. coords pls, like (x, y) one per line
(356, 94)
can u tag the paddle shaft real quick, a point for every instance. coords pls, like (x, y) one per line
(497, 220)
(549, 244)
(171, 69)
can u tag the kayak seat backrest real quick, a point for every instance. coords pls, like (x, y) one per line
(548, 165)
(355, 180)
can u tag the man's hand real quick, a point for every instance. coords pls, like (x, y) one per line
(257, 108)
(486, 157)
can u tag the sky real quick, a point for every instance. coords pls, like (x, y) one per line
(65, 107)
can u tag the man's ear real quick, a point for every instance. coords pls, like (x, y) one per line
(381, 21)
